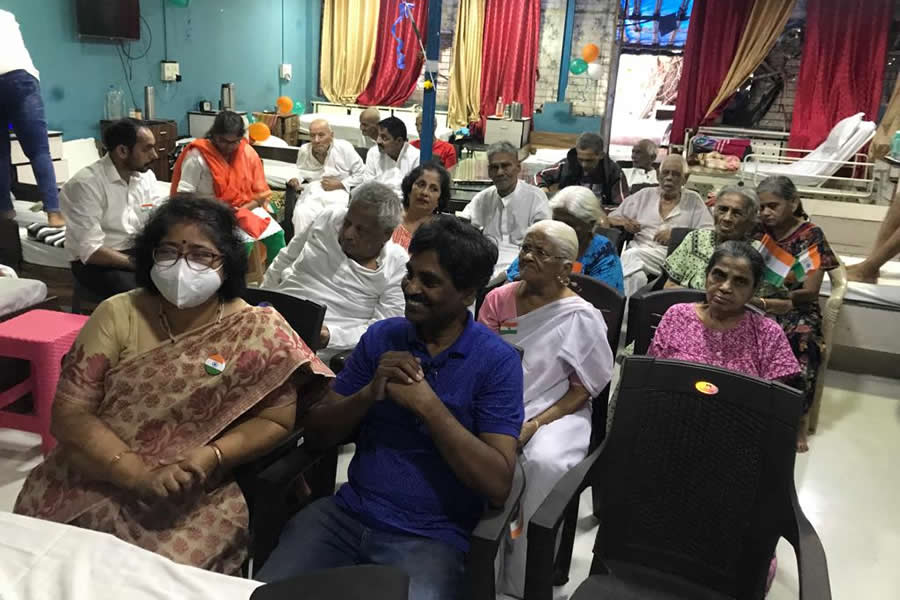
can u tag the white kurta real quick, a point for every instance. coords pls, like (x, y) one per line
(506, 218)
(382, 168)
(314, 267)
(644, 257)
(343, 162)
(561, 339)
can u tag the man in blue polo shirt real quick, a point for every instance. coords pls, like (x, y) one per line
(436, 399)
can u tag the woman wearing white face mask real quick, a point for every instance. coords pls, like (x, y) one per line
(168, 388)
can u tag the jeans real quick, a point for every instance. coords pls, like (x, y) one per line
(103, 282)
(22, 107)
(323, 536)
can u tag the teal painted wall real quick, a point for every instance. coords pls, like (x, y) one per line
(214, 41)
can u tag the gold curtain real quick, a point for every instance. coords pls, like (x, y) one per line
(349, 38)
(764, 25)
(465, 67)
(890, 122)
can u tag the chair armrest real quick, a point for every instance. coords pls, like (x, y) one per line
(338, 361)
(812, 566)
(544, 527)
(833, 305)
(485, 541)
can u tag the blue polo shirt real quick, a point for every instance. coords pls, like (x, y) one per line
(398, 480)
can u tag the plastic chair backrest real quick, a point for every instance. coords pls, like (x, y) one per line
(287, 220)
(696, 473)
(304, 316)
(10, 242)
(677, 236)
(612, 304)
(647, 310)
(614, 236)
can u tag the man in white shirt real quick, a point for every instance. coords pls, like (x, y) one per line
(22, 107)
(368, 126)
(346, 262)
(327, 169)
(105, 204)
(642, 174)
(650, 215)
(393, 158)
(509, 207)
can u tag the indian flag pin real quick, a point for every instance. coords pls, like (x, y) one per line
(509, 327)
(215, 364)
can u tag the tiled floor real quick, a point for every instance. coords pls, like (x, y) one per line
(846, 485)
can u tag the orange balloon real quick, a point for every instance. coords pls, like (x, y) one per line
(590, 53)
(285, 104)
(259, 132)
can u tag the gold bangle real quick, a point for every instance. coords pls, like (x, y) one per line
(765, 305)
(218, 455)
(119, 456)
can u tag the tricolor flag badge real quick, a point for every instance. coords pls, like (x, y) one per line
(517, 525)
(509, 327)
(215, 364)
(577, 267)
(779, 262)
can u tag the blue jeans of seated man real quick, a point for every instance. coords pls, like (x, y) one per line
(22, 107)
(324, 536)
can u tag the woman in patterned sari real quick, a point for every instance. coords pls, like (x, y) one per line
(797, 256)
(166, 390)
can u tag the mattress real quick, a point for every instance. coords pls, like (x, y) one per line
(34, 252)
(346, 127)
(278, 173)
(16, 294)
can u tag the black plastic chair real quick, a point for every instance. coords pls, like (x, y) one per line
(305, 316)
(612, 304)
(645, 311)
(616, 237)
(697, 482)
(346, 583)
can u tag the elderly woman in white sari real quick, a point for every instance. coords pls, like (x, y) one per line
(567, 362)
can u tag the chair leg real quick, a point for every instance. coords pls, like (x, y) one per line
(566, 544)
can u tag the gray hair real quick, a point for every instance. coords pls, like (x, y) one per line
(562, 236)
(580, 201)
(590, 141)
(385, 201)
(751, 200)
(685, 169)
(502, 148)
(648, 146)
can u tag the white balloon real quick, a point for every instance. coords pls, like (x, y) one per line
(595, 71)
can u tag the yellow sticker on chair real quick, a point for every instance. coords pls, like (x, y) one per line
(705, 387)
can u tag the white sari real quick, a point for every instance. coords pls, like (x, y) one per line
(561, 339)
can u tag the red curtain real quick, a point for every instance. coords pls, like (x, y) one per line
(842, 69)
(713, 36)
(390, 86)
(512, 33)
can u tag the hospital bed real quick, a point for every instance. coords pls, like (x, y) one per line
(814, 172)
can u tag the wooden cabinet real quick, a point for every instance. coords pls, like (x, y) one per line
(165, 133)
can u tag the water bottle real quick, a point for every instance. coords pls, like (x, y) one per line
(115, 104)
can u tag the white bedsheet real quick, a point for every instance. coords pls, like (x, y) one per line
(278, 173)
(346, 127)
(885, 293)
(40, 560)
(16, 294)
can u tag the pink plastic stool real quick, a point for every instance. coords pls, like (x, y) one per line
(42, 337)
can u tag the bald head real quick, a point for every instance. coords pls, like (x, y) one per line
(368, 122)
(321, 135)
(673, 174)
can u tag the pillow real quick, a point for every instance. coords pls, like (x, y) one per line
(842, 132)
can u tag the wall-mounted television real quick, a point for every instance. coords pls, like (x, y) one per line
(109, 19)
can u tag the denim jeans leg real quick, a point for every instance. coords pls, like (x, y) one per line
(435, 568)
(26, 113)
(321, 536)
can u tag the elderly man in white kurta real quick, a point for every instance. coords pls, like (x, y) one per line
(509, 207)
(346, 262)
(393, 158)
(650, 215)
(327, 169)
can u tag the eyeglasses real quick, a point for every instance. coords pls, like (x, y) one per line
(537, 253)
(196, 259)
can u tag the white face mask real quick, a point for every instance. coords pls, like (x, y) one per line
(183, 286)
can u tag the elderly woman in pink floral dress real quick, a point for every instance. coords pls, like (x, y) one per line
(721, 331)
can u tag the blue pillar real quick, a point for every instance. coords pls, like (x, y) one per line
(432, 59)
(568, 32)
